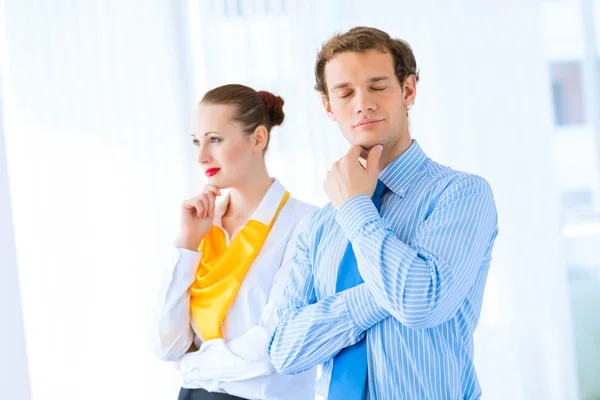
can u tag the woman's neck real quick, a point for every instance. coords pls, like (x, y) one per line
(246, 197)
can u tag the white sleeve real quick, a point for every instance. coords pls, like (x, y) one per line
(172, 334)
(244, 357)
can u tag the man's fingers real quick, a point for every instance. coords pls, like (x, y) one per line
(355, 152)
(373, 160)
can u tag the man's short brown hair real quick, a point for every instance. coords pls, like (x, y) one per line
(361, 39)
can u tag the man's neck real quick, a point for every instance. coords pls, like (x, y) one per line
(396, 150)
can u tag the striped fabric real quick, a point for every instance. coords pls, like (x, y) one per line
(424, 262)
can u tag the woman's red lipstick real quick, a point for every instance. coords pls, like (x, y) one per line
(211, 171)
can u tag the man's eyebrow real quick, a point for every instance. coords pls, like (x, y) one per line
(344, 85)
(340, 86)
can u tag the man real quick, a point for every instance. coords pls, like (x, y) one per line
(388, 278)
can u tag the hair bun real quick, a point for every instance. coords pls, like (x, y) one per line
(274, 107)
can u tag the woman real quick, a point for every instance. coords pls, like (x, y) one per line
(217, 305)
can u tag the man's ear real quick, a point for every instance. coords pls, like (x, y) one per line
(327, 106)
(409, 89)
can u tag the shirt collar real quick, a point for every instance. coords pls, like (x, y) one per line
(264, 212)
(399, 175)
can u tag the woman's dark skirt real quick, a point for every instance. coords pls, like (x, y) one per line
(201, 394)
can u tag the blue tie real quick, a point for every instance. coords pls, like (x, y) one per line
(349, 375)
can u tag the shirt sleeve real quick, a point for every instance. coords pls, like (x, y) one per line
(309, 331)
(423, 283)
(172, 333)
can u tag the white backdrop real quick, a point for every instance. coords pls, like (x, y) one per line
(98, 97)
(96, 134)
(14, 376)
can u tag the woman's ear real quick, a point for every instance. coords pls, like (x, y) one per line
(260, 138)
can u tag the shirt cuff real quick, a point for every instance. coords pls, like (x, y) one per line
(358, 216)
(214, 361)
(184, 272)
(364, 311)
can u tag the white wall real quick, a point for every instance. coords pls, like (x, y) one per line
(99, 102)
(96, 132)
(14, 376)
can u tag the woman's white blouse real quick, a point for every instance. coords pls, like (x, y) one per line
(237, 364)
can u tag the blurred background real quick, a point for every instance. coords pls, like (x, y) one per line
(95, 158)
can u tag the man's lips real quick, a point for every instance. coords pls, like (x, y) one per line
(367, 122)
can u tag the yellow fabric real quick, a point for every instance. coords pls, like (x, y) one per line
(221, 272)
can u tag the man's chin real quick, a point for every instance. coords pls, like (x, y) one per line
(366, 148)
